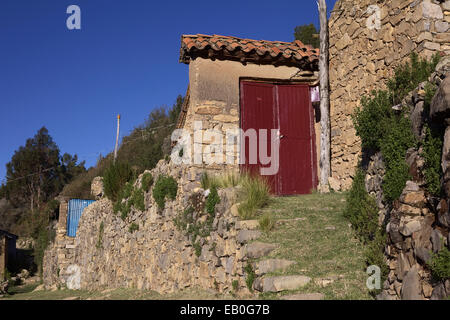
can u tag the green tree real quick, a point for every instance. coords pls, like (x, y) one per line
(308, 34)
(37, 173)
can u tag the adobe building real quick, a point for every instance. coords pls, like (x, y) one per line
(241, 83)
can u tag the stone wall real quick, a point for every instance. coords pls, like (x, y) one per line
(364, 55)
(3, 257)
(417, 224)
(61, 252)
(157, 256)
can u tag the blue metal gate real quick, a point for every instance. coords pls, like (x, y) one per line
(74, 212)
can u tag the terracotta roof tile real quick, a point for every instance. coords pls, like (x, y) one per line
(246, 50)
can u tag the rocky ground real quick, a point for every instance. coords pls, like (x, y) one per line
(311, 247)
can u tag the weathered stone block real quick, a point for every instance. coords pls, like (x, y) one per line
(411, 289)
(278, 284)
(431, 10)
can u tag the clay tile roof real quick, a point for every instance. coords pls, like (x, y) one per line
(248, 51)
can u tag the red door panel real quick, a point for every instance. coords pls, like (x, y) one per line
(258, 113)
(296, 157)
(286, 107)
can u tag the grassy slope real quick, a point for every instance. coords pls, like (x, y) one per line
(320, 253)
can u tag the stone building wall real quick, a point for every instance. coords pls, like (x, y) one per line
(215, 97)
(364, 55)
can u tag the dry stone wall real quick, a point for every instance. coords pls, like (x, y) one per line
(363, 55)
(61, 252)
(418, 223)
(157, 256)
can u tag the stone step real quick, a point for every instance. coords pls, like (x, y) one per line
(280, 283)
(284, 221)
(247, 224)
(247, 235)
(304, 296)
(272, 265)
(323, 282)
(259, 249)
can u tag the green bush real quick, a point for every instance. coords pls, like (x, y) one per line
(147, 181)
(408, 75)
(430, 91)
(211, 201)
(137, 199)
(186, 222)
(440, 264)
(182, 220)
(125, 210)
(235, 285)
(255, 194)
(361, 209)
(266, 222)
(369, 119)
(251, 276)
(381, 129)
(432, 151)
(133, 227)
(165, 187)
(374, 255)
(45, 235)
(115, 178)
(197, 249)
(394, 145)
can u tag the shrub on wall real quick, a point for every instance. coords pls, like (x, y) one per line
(137, 199)
(212, 200)
(361, 209)
(132, 196)
(432, 151)
(440, 265)
(115, 178)
(369, 120)
(147, 181)
(408, 75)
(394, 145)
(362, 212)
(165, 187)
(382, 129)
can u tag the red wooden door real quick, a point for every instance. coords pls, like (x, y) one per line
(258, 113)
(286, 107)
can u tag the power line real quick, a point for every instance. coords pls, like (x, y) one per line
(5, 180)
(29, 175)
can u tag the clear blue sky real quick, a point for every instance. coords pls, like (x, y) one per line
(123, 60)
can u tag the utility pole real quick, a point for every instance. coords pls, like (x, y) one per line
(117, 138)
(325, 171)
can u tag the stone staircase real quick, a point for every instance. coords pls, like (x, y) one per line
(248, 231)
